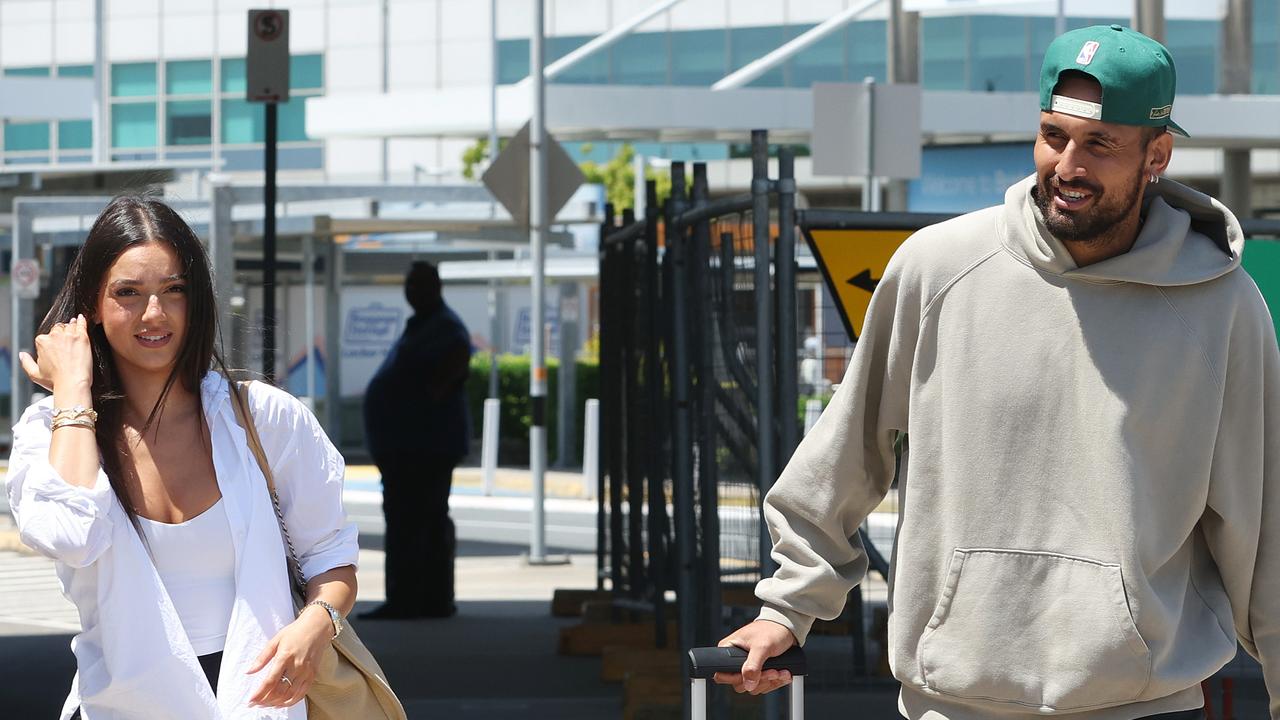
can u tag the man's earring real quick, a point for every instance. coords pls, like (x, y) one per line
(1154, 178)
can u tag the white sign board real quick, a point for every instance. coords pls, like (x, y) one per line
(267, 64)
(373, 318)
(26, 279)
(839, 140)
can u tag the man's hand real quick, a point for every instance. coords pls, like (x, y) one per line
(762, 640)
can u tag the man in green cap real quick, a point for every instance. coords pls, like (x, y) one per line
(1090, 505)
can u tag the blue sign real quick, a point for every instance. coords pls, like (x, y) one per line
(967, 177)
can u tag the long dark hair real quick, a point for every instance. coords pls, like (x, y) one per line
(127, 222)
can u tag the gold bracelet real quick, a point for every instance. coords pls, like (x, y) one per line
(78, 411)
(83, 422)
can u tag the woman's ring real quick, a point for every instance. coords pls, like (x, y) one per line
(285, 679)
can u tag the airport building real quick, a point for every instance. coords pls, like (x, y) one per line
(100, 96)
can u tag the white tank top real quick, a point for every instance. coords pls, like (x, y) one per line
(197, 564)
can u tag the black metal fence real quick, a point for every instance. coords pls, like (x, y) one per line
(698, 343)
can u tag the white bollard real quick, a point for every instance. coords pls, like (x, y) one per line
(812, 411)
(591, 448)
(489, 445)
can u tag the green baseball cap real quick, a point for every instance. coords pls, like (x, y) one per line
(1136, 74)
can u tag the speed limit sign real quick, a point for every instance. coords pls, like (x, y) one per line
(25, 276)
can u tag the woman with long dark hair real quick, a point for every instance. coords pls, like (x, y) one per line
(136, 477)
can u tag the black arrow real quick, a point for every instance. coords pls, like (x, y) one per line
(864, 281)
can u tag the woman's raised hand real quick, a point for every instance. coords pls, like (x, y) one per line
(65, 357)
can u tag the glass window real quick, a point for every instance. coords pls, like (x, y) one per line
(133, 79)
(513, 61)
(1266, 48)
(291, 120)
(75, 135)
(820, 62)
(233, 80)
(593, 69)
(998, 53)
(306, 72)
(189, 77)
(1042, 33)
(133, 125)
(1194, 45)
(80, 71)
(868, 51)
(27, 72)
(698, 57)
(750, 43)
(640, 59)
(26, 136)
(189, 122)
(241, 122)
(942, 50)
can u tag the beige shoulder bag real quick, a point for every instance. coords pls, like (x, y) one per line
(349, 683)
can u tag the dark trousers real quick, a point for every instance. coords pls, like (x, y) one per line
(209, 663)
(421, 540)
(1184, 715)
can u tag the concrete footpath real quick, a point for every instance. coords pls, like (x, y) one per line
(495, 660)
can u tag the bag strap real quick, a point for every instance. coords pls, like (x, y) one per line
(238, 391)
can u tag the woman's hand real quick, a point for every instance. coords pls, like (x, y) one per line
(293, 654)
(65, 362)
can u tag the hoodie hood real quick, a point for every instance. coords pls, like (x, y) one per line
(1186, 238)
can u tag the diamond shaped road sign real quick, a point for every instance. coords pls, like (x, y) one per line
(508, 177)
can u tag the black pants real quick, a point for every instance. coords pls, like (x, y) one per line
(209, 663)
(421, 540)
(1183, 715)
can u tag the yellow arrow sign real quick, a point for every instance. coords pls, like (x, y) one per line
(852, 263)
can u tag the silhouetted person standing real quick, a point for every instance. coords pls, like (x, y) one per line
(417, 429)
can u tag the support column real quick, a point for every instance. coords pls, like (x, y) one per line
(1148, 18)
(221, 240)
(903, 51)
(1236, 76)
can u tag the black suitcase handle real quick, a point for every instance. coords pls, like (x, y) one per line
(707, 661)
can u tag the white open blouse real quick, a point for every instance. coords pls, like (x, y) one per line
(134, 657)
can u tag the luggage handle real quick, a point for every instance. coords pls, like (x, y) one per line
(707, 661)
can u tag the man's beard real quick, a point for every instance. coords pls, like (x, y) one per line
(1092, 224)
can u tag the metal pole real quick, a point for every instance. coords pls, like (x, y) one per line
(1237, 78)
(1148, 18)
(537, 242)
(766, 446)
(765, 440)
(869, 189)
(682, 437)
(495, 330)
(785, 261)
(309, 313)
(269, 247)
(222, 199)
(22, 330)
(386, 83)
(1060, 19)
(100, 137)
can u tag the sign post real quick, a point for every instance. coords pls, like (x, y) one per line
(25, 276)
(267, 82)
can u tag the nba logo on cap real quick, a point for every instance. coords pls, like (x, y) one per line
(1086, 53)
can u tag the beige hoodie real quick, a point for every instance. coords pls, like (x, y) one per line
(1090, 506)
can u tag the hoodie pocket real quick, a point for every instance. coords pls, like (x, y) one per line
(1048, 631)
